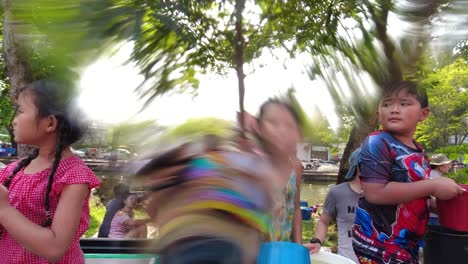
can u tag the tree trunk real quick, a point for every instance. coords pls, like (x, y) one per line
(462, 139)
(12, 137)
(358, 133)
(16, 60)
(114, 156)
(240, 61)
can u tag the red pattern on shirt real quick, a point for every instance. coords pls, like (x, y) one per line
(27, 195)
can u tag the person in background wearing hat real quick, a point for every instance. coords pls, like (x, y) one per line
(340, 204)
(440, 165)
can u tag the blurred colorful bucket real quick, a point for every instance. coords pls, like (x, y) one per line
(453, 213)
(283, 253)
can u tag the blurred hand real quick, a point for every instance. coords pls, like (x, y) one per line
(313, 247)
(446, 188)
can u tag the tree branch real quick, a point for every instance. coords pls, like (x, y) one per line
(395, 73)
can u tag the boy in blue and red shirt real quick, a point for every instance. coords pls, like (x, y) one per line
(391, 218)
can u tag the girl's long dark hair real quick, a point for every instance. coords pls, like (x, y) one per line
(50, 99)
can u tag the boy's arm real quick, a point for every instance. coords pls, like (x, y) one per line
(402, 192)
(328, 213)
(322, 227)
(396, 192)
(376, 161)
(320, 233)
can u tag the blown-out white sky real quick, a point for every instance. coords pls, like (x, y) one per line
(107, 92)
(107, 89)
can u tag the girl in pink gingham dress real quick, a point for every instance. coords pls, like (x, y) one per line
(44, 198)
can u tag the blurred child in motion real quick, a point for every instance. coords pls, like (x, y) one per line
(214, 204)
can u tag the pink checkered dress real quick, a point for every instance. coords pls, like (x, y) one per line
(27, 193)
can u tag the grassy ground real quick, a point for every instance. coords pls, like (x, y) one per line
(96, 214)
(308, 229)
(308, 232)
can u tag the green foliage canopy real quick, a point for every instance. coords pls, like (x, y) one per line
(195, 128)
(456, 152)
(447, 89)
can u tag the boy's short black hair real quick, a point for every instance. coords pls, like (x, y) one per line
(412, 88)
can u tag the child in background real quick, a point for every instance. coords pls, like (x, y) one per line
(123, 225)
(340, 205)
(440, 166)
(391, 218)
(44, 198)
(214, 204)
(121, 191)
(279, 132)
